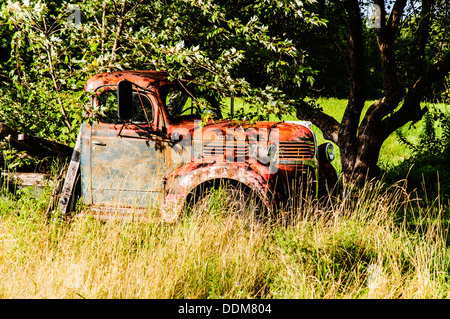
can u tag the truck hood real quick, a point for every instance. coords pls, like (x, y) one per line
(292, 131)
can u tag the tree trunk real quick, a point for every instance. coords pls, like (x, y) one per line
(348, 140)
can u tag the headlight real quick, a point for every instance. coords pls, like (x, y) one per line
(326, 152)
(329, 150)
(267, 155)
(272, 152)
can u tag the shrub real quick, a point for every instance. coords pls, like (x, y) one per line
(427, 170)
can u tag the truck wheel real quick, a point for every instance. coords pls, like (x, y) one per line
(229, 199)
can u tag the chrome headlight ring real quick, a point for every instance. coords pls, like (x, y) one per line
(329, 151)
(326, 152)
(272, 152)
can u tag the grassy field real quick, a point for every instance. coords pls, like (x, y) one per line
(380, 242)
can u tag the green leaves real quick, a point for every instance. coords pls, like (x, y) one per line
(218, 45)
(230, 47)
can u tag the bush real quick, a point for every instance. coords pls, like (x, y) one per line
(427, 170)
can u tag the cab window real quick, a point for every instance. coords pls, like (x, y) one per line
(189, 100)
(178, 102)
(108, 113)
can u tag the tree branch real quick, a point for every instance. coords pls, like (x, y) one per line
(396, 16)
(34, 146)
(394, 93)
(420, 40)
(436, 72)
(386, 37)
(103, 32)
(47, 48)
(410, 110)
(326, 123)
(119, 31)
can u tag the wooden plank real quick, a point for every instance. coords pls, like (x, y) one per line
(58, 184)
(68, 189)
(23, 179)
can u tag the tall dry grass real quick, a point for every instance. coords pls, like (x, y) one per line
(375, 243)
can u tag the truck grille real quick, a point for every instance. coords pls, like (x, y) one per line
(294, 151)
(238, 150)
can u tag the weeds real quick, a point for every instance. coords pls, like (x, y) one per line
(376, 243)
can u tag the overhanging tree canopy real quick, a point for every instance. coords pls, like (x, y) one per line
(224, 45)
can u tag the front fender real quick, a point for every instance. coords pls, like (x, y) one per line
(180, 183)
(329, 179)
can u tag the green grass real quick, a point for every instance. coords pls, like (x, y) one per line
(379, 242)
(366, 246)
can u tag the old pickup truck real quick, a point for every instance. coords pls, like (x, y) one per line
(147, 145)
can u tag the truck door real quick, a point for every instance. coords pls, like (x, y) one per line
(126, 168)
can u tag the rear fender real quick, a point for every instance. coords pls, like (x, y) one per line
(184, 180)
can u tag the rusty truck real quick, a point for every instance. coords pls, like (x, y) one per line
(147, 144)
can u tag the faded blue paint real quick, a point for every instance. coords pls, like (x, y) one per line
(121, 171)
(128, 170)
